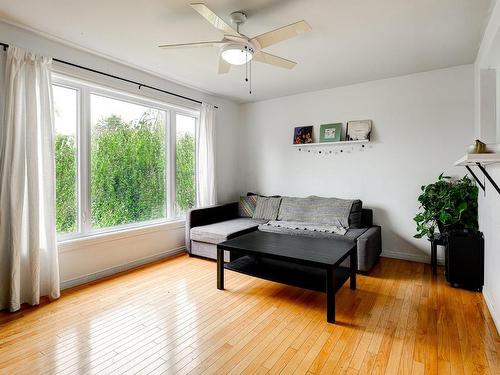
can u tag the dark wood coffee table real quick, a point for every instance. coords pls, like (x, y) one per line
(311, 263)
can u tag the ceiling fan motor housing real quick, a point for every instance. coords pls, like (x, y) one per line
(238, 18)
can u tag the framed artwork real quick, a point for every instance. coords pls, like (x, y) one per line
(302, 134)
(358, 130)
(330, 132)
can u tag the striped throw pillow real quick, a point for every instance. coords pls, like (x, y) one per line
(246, 207)
(267, 208)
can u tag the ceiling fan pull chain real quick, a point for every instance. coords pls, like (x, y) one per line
(250, 77)
(246, 65)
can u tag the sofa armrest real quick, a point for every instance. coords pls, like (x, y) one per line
(369, 248)
(209, 215)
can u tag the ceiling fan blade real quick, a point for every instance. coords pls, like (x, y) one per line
(192, 45)
(281, 34)
(267, 58)
(236, 38)
(214, 19)
(224, 66)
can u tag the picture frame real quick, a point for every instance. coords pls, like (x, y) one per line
(302, 135)
(330, 132)
(358, 130)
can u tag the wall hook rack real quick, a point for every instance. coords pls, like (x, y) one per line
(336, 148)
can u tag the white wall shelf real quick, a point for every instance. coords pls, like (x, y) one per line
(473, 159)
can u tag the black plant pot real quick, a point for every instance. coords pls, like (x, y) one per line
(443, 229)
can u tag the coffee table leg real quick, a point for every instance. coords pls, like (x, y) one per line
(220, 269)
(330, 296)
(354, 267)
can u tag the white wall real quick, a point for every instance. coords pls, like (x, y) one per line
(486, 100)
(488, 79)
(84, 260)
(422, 124)
(489, 224)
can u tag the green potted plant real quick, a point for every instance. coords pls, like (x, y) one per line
(448, 204)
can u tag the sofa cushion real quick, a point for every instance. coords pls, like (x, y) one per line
(314, 227)
(318, 210)
(267, 208)
(221, 231)
(351, 234)
(246, 206)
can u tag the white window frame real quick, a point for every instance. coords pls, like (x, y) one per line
(173, 131)
(84, 90)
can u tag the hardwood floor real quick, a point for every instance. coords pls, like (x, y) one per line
(169, 317)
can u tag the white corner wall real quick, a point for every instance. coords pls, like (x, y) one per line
(489, 224)
(86, 260)
(422, 125)
(487, 128)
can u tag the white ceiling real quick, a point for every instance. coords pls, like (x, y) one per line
(351, 40)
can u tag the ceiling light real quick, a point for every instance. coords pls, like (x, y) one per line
(236, 54)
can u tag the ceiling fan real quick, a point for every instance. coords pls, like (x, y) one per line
(238, 49)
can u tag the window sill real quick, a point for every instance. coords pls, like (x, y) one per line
(67, 245)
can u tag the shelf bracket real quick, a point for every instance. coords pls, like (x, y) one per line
(487, 175)
(475, 177)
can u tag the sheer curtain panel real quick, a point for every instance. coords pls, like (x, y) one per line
(28, 248)
(205, 157)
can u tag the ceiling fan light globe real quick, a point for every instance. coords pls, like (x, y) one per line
(236, 55)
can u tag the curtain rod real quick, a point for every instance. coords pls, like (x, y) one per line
(140, 85)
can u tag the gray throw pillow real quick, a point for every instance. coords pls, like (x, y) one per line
(355, 214)
(267, 208)
(246, 206)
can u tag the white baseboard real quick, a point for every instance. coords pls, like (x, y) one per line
(490, 303)
(410, 257)
(120, 268)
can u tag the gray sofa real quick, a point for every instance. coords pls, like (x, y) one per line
(206, 227)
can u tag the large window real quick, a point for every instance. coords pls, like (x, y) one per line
(121, 160)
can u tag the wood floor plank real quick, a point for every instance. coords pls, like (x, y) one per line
(169, 318)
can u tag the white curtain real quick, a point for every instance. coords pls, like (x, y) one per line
(28, 249)
(205, 157)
